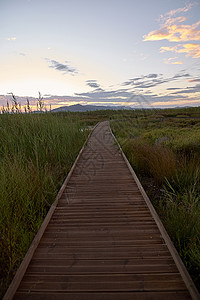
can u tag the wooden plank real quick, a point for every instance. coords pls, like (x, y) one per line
(102, 241)
(183, 271)
(119, 278)
(178, 295)
(22, 269)
(106, 286)
(97, 269)
(98, 254)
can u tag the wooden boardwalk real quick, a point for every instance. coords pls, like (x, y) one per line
(102, 239)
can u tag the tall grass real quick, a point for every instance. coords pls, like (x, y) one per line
(164, 150)
(180, 211)
(36, 153)
(156, 160)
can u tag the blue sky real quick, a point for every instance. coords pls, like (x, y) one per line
(129, 52)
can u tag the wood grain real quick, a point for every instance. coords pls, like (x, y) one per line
(103, 240)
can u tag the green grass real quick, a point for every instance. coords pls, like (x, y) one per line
(36, 153)
(38, 150)
(164, 149)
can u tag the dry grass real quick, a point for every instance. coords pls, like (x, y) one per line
(156, 160)
(166, 151)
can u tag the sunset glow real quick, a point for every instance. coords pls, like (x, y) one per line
(123, 52)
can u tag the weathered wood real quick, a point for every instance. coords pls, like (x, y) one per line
(22, 269)
(103, 239)
(160, 295)
(182, 269)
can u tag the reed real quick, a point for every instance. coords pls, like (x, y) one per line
(164, 149)
(36, 153)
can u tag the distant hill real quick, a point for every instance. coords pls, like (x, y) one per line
(83, 108)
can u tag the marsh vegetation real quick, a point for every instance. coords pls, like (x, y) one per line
(38, 150)
(164, 150)
(36, 153)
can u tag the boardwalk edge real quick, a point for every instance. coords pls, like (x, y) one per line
(27, 258)
(181, 267)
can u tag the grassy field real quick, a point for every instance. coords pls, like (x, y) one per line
(164, 150)
(38, 150)
(36, 153)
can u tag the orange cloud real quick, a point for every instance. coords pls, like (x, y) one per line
(174, 32)
(170, 61)
(11, 38)
(173, 49)
(177, 63)
(190, 49)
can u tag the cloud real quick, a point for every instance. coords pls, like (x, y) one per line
(194, 80)
(172, 62)
(138, 81)
(22, 54)
(65, 68)
(137, 92)
(173, 30)
(176, 62)
(189, 90)
(112, 97)
(102, 95)
(172, 49)
(171, 89)
(180, 75)
(152, 76)
(152, 80)
(178, 10)
(92, 83)
(132, 81)
(122, 96)
(11, 38)
(190, 49)
(177, 103)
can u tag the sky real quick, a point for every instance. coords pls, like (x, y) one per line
(140, 53)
